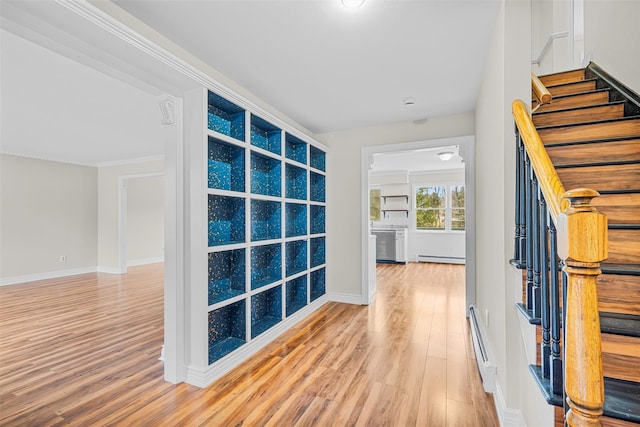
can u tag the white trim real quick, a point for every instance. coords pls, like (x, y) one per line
(108, 270)
(45, 276)
(144, 261)
(508, 417)
(483, 352)
(345, 298)
(134, 161)
(204, 377)
(441, 259)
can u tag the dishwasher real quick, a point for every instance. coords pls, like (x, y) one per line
(391, 245)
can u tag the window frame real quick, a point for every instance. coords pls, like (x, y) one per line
(448, 209)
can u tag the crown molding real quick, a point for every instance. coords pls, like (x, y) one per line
(130, 161)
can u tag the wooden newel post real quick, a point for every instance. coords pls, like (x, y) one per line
(582, 244)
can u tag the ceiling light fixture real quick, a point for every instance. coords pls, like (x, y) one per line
(352, 3)
(409, 101)
(445, 156)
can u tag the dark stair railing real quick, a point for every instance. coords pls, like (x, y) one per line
(557, 230)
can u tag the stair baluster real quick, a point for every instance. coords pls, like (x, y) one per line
(556, 312)
(545, 346)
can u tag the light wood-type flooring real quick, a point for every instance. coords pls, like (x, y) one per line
(83, 350)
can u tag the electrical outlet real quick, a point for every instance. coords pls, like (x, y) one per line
(63, 258)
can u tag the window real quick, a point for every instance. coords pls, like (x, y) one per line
(440, 207)
(374, 204)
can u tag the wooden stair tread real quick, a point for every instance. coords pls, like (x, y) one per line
(609, 150)
(621, 398)
(595, 97)
(612, 178)
(585, 85)
(563, 77)
(612, 128)
(573, 115)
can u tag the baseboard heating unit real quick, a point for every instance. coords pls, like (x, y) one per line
(482, 350)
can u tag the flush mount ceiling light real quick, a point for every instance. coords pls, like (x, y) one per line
(352, 3)
(409, 101)
(445, 156)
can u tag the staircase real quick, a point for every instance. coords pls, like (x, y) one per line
(591, 132)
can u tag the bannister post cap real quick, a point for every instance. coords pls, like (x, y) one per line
(580, 199)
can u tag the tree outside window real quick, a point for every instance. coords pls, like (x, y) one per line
(374, 204)
(437, 209)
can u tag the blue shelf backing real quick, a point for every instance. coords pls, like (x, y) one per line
(226, 117)
(296, 295)
(266, 265)
(296, 182)
(317, 285)
(295, 256)
(317, 187)
(266, 175)
(226, 166)
(317, 219)
(266, 310)
(265, 135)
(266, 220)
(295, 149)
(295, 219)
(226, 220)
(317, 251)
(226, 275)
(227, 330)
(317, 158)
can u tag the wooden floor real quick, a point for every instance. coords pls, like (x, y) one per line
(83, 351)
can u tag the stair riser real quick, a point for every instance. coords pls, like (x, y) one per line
(569, 89)
(564, 77)
(619, 293)
(591, 131)
(612, 151)
(601, 178)
(624, 247)
(583, 115)
(619, 208)
(575, 101)
(621, 357)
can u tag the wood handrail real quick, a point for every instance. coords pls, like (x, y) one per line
(540, 91)
(551, 185)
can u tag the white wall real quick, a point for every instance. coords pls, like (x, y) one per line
(47, 209)
(108, 208)
(498, 285)
(343, 188)
(145, 219)
(612, 38)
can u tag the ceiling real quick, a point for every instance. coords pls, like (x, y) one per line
(326, 67)
(331, 68)
(420, 160)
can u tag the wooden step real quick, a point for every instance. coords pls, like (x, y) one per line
(607, 129)
(621, 357)
(579, 115)
(619, 293)
(611, 150)
(620, 208)
(596, 97)
(611, 177)
(571, 88)
(624, 246)
(563, 77)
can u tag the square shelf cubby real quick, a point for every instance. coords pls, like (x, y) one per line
(296, 295)
(266, 175)
(226, 220)
(317, 158)
(295, 257)
(265, 135)
(227, 329)
(317, 219)
(317, 285)
(266, 265)
(225, 117)
(295, 149)
(295, 218)
(226, 166)
(266, 220)
(295, 182)
(266, 310)
(317, 251)
(226, 275)
(316, 187)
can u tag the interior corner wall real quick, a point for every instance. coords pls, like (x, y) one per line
(145, 220)
(344, 249)
(47, 210)
(612, 38)
(506, 77)
(108, 209)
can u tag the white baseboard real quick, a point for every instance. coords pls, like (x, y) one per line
(482, 350)
(44, 276)
(144, 261)
(508, 417)
(440, 259)
(355, 299)
(203, 377)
